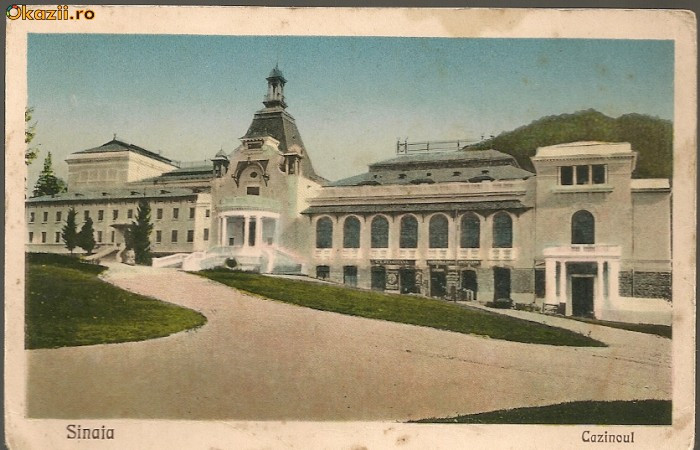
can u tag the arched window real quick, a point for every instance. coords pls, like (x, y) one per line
(582, 228)
(324, 233)
(502, 231)
(438, 231)
(380, 232)
(470, 233)
(351, 232)
(409, 232)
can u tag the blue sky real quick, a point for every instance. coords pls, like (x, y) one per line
(352, 97)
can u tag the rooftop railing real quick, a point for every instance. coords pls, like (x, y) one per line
(406, 148)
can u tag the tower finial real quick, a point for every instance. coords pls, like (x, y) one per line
(114, 138)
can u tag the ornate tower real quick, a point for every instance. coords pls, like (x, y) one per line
(275, 89)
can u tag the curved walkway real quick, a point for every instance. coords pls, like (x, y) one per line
(258, 359)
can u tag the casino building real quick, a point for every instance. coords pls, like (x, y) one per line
(579, 235)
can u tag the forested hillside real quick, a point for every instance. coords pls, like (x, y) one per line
(651, 137)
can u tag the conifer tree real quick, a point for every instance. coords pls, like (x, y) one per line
(69, 234)
(32, 151)
(48, 183)
(140, 233)
(86, 236)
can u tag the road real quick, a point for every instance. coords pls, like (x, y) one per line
(258, 359)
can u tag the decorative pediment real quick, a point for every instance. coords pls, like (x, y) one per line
(261, 164)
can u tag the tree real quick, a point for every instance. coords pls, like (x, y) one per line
(69, 233)
(86, 236)
(48, 183)
(139, 233)
(31, 152)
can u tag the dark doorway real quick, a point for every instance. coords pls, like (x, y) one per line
(469, 285)
(378, 278)
(407, 281)
(438, 283)
(582, 296)
(350, 275)
(501, 283)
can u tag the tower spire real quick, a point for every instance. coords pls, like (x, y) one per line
(275, 89)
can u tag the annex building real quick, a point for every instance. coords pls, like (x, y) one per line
(578, 235)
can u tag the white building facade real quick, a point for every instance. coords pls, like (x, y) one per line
(578, 235)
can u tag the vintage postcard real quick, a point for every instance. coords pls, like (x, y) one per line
(248, 227)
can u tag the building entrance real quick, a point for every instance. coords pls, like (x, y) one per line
(501, 283)
(378, 278)
(407, 281)
(469, 285)
(582, 295)
(438, 283)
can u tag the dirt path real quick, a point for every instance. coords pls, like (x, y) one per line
(258, 359)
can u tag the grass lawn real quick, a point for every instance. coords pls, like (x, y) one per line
(636, 412)
(659, 330)
(67, 305)
(399, 308)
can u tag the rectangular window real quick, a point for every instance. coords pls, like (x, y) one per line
(598, 173)
(31, 217)
(253, 190)
(86, 214)
(176, 213)
(43, 237)
(323, 272)
(115, 214)
(159, 236)
(191, 213)
(173, 236)
(207, 213)
(46, 216)
(58, 216)
(582, 173)
(566, 175)
(159, 213)
(111, 239)
(190, 235)
(31, 236)
(99, 236)
(130, 214)
(206, 234)
(57, 237)
(101, 215)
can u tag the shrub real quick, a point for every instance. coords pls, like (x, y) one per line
(501, 303)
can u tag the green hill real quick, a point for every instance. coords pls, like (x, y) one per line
(651, 137)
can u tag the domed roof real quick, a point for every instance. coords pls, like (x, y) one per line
(276, 73)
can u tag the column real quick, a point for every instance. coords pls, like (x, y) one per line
(563, 297)
(246, 227)
(486, 236)
(394, 236)
(550, 271)
(258, 231)
(365, 237)
(455, 228)
(599, 297)
(614, 277)
(222, 230)
(453, 282)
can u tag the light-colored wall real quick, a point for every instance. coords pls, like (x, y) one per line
(200, 202)
(94, 171)
(610, 204)
(651, 230)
